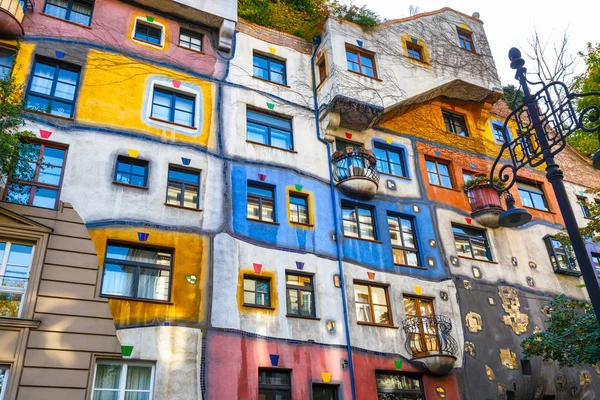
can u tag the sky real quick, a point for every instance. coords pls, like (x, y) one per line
(510, 23)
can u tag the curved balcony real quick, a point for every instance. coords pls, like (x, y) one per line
(11, 17)
(485, 205)
(354, 172)
(428, 340)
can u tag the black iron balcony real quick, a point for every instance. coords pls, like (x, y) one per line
(355, 173)
(429, 341)
(485, 204)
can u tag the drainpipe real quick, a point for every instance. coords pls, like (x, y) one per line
(338, 233)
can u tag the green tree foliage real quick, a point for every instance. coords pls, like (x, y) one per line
(353, 13)
(571, 336)
(510, 94)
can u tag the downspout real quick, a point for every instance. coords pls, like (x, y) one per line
(338, 233)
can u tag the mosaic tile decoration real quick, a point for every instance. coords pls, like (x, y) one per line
(490, 374)
(476, 272)
(441, 392)
(512, 306)
(444, 296)
(470, 348)
(585, 379)
(508, 359)
(473, 322)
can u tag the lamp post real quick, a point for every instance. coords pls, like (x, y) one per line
(544, 121)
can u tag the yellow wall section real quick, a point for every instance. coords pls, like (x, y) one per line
(23, 62)
(190, 256)
(311, 207)
(240, 292)
(114, 91)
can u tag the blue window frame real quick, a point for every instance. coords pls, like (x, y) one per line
(269, 130)
(261, 202)
(269, 68)
(183, 187)
(532, 196)
(389, 160)
(148, 33)
(498, 133)
(173, 107)
(78, 11)
(52, 88)
(131, 171)
(6, 62)
(414, 51)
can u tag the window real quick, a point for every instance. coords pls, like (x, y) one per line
(269, 130)
(52, 88)
(15, 264)
(438, 173)
(299, 209)
(257, 291)
(269, 68)
(423, 335)
(190, 40)
(341, 144)
(322, 68)
(300, 295)
(6, 62)
(38, 176)
(78, 11)
(372, 304)
(123, 380)
(361, 62)
(471, 243)
(455, 123)
(465, 39)
(358, 221)
(149, 33)
(596, 262)
(137, 272)
(404, 242)
(183, 187)
(414, 51)
(393, 386)
(4, 369)
(562, 259)
(585, 208)
(274, 384)
(324, 392)
(389, 160)
(131, 171)
(261, 202)
(468, 176)
(532, 196)
(498, 133)
(173, 107)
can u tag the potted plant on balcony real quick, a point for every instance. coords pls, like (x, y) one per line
(482, 181)
(484, 199)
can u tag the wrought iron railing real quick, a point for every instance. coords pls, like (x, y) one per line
(354, 163)
(12, 290)
(427, 336)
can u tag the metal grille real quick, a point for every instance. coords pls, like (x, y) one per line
(429, 336)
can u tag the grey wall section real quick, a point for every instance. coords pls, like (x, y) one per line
(65, 325)
(496, 335)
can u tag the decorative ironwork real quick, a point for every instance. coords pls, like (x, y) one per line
(355, 165)
(429, 336)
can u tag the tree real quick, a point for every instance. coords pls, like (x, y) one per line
(571, 336)
(353, 13)
(512, 96)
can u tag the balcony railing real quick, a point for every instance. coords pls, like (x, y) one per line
(355, 173)
(11, 16)
(485, 205)
(12, 290)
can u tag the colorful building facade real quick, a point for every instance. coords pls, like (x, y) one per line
(271, 218)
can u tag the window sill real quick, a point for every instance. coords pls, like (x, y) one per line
(478, 259)
(447, 188)
(67, 21)
(366, 76)
(419, 62)
(272, 147)
(257, 306)
(540, 210)
(16, 322)
(268, 81)
(567, 272)
(31, 205)
(107, 296)
(51, 115)
(158, 46)
(411, 266)
(364, 240)
(302, 317)
(301, 225)
(172, 123)
(406, 178)
(262, 222)
(377, 325)
(470, 51)
(192, 50)
(183, 207)
(130, 185)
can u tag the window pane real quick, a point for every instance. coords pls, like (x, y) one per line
(525, 198)
(184, 103)
(138, 378)
(463, 247)
(41, 85)
(260, 191)
(538, 201)
(190, 197)
(53, 156)
(270, 120)
(183, 118)
(10, 305)
(108, 376)
(55, 11)
(381, 315)
(378, 294)
(252, 209)
(118, 280)
(363, 312)
(399, 257)
(137, 396)
(267, 211)
(18, 194)
(350, 56)
(366, 61)
(350, 229)
(45, 197)
(396, 381)
(49, 174)
(307, 302)
(162, 98)
(361, 293)
(257, 133)
(154, 284)
(186, 176)
(281, 139)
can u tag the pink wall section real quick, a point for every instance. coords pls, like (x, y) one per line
(112, 25)
(230, 355)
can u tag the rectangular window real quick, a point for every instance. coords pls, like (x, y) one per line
(465, 39)
(414, 51)
(131, 171)
(299, 208)
(562, 259)
(269, 68)
(300, 295)
(78, 11)
(52, 88)
(394, 386)
(498, 133)
(274, 384)
(6, 62)
(15, 265)
(137, 272)
(183, 187)
(324, 392)
(585, 208)
(389, 160)
(261, 202)
(359, 221)
(438, 173)
(117, 380)
(404, 241)
(4, 369)
(148, 33)
(361, 62)
(455, 123)
(471, 243)
(420, 317)
(596, 262)
(269, 130)
(467, 176)
(341, 144)
(372, 304)
(190, 40)
(38, 177)
(532, 196)
(173, 107)
(322, 68)
(257, 291)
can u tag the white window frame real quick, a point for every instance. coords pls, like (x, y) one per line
(3, 389)
(3, 263)
(158, 25)
(123, 379)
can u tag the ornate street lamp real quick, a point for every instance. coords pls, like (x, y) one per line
(544, 121)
